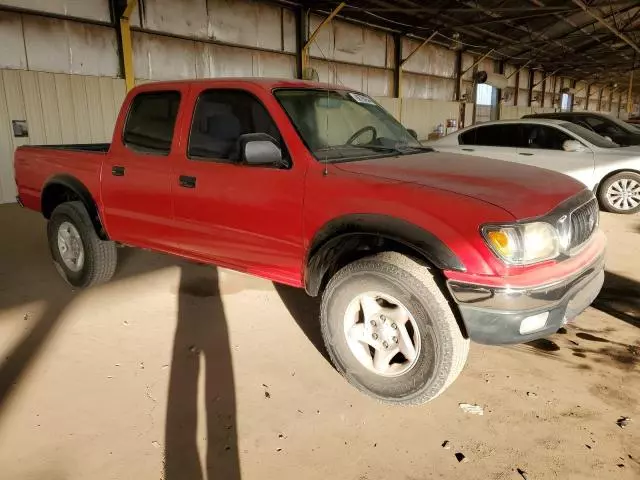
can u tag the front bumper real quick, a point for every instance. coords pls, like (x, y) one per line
(494, 315)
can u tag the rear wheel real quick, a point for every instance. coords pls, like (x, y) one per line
(80, 256)
(620, 193)
(390, 331)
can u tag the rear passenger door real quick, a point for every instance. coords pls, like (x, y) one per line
(241, 216)
(136, 174)
(497, 141)
(544, 148)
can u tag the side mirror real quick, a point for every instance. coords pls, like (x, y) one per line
(413, 133)
(573, 146)
(608, 138)
(260, 149)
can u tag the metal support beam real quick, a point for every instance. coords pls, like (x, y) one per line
(544, 88)
(619, 103)
(600, 98)
(397, 65)
(613, 30)
(516, 94)
(479, 60)
(301, 17)
(629, 93)
(517, 72)
(312, 37)
(415, 50)
(404, 61)
(586, 100)
(127, 50)
(458, 89)
(530, 95)
(545, 77)
(610, 99)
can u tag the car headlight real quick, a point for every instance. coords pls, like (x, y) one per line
(523, 244)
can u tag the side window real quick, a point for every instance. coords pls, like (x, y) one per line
(543, 137)
(220, 117)
(151, 121)
(501, 135)
(468, 137)
(603, 127)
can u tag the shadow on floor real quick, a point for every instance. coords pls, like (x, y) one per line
(201, 354)
(620, 298)
(305, 310)
(201, 358)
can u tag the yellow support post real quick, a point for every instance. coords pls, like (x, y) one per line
(127, 50)
(305, 48)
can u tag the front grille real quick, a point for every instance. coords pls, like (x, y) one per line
(584, 221)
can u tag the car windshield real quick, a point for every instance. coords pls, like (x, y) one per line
(340, 125)
(589, 135)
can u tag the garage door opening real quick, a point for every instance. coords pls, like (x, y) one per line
(486, 103)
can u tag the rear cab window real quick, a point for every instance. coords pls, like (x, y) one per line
(151, 121)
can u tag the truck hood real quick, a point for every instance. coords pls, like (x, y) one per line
(521, 190)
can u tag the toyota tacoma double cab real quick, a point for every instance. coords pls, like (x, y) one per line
(414, 252)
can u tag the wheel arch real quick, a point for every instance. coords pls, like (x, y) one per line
(64, 188)
(352, 237)
(596, 189)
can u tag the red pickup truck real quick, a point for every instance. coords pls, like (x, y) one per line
(414, 252)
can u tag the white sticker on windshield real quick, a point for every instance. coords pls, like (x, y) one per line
(358, 97)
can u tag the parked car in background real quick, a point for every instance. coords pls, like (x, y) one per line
(634, 121)
(609, 170)
(413, 252)
(615, 129)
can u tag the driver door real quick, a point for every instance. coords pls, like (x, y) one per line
(244, 217)
(544, 149)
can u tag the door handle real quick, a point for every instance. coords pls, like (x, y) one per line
(468, 149)
(117, 171)
(526, 154)
(187, 182)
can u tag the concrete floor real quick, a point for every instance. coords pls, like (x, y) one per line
(175, 371)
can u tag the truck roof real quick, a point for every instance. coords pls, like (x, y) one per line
(266, 83)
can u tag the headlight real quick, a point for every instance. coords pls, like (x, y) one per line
(523, 244)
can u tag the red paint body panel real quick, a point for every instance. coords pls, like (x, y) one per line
(263, 220)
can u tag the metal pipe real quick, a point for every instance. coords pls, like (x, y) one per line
(544, 78)
(519, 70)
(478, 61)
(613, 30)
(305, 48)
(127, 50)
(427, 40)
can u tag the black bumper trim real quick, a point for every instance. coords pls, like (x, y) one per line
(496, 327)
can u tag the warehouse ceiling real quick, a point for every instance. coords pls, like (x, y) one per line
(592, 40)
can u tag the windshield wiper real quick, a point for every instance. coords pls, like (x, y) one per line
(398, 149)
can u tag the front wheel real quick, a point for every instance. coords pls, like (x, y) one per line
(390, 331)
(620, 193)
(80, 256)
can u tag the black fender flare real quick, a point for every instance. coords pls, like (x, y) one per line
(80, 191)
(346, 233)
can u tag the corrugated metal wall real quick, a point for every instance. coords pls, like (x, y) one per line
(58, 108)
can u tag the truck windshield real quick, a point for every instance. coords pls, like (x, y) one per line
(341, 125)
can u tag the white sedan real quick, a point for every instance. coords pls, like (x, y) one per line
(611, 171)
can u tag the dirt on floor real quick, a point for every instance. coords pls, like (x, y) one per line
(180, 371)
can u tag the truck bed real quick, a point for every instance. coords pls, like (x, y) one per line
(35, 165)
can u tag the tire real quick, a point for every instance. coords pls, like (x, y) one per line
(611, 193)
(441, 348)
(99, 257)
